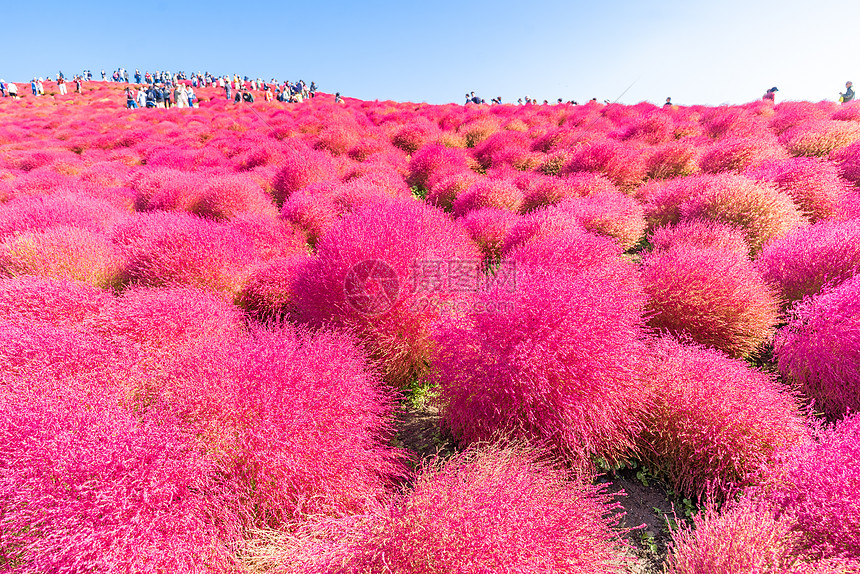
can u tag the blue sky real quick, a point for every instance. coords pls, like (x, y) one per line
(698, 53)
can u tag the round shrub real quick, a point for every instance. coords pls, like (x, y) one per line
(609, 213)
(547, 356)
(90, 487)
(806, 259)
(703, 234)
(622, 163)
(738, 154)
(488, 192)
(671, 160)
(495, 509)
(59, 302)
(224, 196)
(817, 138)
(743, 538)
(847, 160)
(553, 190)
(821, 493)
(40, 213)
(383, 272)
(270, 291)
(435, 160)
(716, 424)
(179, 249)
(814, 185)
(819, 348)
(488, 228)
(313, 210)
(167, 319)
(300, 168)
(298, 421)
(715, 297)
(542, 223)
(63, 253)
(445, 189)
(762, 211)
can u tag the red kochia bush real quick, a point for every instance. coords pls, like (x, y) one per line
(87, 487)
(818, 138)
(821, 494)
(743, 538)
(716, 423)
(63, 253)
(167, 319)
(227, 195)
(741, 153)
(297, 420)
(542, 223)
(435, 160)
(551, 356)
(383, 271)
(847, 159)
(494, 509)
(447, 187)
(302, 167)
(180, 249)
(270, 291)
(552, 190)
(40, 213)
(716, 297)
(621, 163)
(675, 159)
(819, 349)
(701, 233)
(488, 227)
(762, 211)
(59, 302)
(313, 209)
(806, 259)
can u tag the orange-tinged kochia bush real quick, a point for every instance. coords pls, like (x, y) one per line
(716, 297)
(63, 253)
(549, 353)
(387, 272)
(814, 185)
(763, 211)
(716, 423)
(819, 348)
(609, 213)
(817, 138)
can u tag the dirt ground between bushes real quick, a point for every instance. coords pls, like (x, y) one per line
(418, 431)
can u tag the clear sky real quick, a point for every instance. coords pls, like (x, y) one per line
(698, 53)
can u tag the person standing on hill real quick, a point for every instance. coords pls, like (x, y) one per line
(770, 95)
(13, 90)
(848, 95)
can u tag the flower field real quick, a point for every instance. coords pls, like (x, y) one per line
(212, 318)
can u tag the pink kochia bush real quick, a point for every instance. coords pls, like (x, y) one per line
(737, 154)
(85, 486)
(805, 260)
(297, 420)
(701, 233)
(488, 227)
(488, 192)
(549, 353)
(715, 297)
(716, 423)
(58, 302)
(302, 167)
(501, 509)
(383, 272)
(821, 494)
(819, 348)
